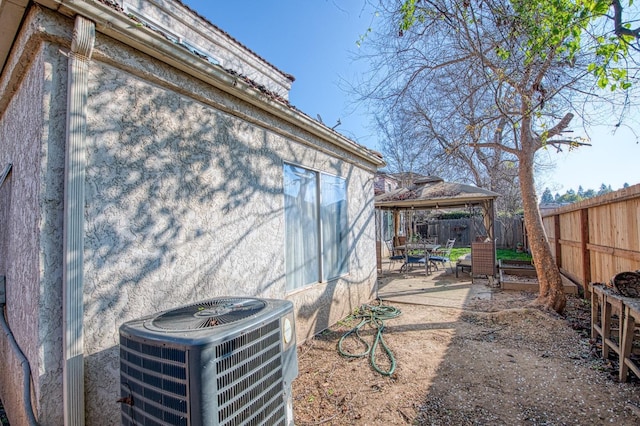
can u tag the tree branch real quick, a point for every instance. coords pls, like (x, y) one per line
(558, 143)
(494, 145)
(619, 28)
(561, 126)
(497, 136)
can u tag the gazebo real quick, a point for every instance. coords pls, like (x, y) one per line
(432, 192)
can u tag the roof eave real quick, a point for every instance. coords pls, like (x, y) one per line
(118, 26)
(11, 16)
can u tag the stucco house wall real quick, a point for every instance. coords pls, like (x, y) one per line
(32, 132)
(183, 201)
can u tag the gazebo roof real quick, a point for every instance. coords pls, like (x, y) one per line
(433, 192)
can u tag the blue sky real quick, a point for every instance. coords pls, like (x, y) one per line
(316, 42)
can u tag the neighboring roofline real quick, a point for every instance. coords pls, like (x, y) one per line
(235, 40)
(431, 203)
(407, 197)
(117, 25)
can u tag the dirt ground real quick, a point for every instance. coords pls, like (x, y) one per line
(495, 362)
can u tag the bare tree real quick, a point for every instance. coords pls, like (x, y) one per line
(489, 83)
(403, 151)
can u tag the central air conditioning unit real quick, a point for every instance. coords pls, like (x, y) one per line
(224, 361)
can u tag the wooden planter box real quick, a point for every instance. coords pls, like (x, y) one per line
(517, 267)
(520, 275)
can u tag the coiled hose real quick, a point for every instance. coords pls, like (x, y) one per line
(375, 317)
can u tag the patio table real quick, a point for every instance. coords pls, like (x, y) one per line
(417, 246)
(427, 248)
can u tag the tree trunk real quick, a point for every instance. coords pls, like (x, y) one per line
(551, 293)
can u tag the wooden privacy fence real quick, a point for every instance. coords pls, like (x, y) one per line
(595, 239)
(509, 231)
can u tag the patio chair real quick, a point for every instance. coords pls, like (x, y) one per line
(392, 256)
(431, 240)
(416, 255)
(444, 255)
(410, 261)
(463, 262)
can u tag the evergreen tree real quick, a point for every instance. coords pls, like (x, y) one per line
(570, 197)
(546, 198)
(604, 189)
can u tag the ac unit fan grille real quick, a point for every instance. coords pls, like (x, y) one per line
(249, 381)
(207, 314)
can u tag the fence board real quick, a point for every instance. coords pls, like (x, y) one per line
(549, 224)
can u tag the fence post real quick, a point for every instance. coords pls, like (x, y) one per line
(584, 246)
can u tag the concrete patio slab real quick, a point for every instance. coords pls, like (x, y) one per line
(439, 288)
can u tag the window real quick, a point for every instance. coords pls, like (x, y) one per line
(333, 219)
(387, 225)
(315, 226)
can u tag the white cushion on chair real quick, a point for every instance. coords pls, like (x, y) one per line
(464, 260)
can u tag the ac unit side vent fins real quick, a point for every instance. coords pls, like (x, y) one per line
(139, 417)
(243, 369)
(264, 400)
(269, 410)
(168, 354)
(243, 340)
(147, 394)
(254, 384)
(243, 355)
(156, 378)
(250, 376)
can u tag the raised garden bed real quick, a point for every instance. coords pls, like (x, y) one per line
(517, 267)
(521, 275)
(517, 275)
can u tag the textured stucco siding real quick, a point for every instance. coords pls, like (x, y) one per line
(31, 132)
(184, 201)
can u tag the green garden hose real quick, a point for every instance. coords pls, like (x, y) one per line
(375, 317)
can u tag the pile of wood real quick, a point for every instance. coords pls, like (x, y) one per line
(626, 284)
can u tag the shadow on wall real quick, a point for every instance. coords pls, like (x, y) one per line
(332, 305)
(176, 196)
(183, 203)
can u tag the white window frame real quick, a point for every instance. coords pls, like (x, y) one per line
(295, 268)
